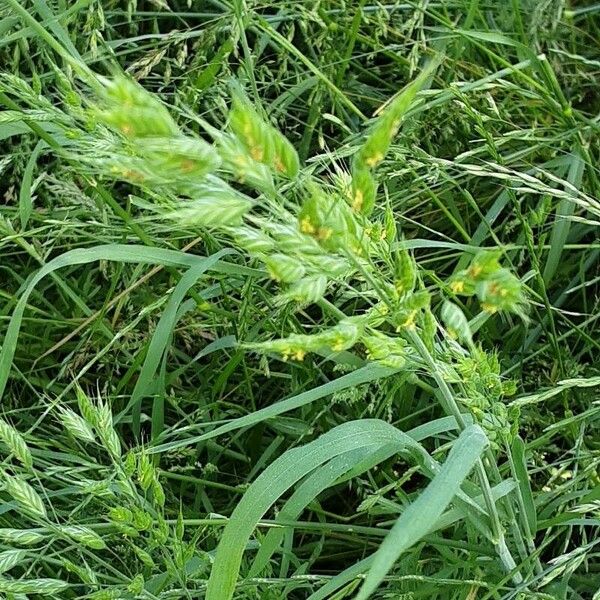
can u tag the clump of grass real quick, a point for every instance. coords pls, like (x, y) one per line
(360, 364)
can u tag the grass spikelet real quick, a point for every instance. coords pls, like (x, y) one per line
(78, 427)
(27, 498)
(133, 111)
(262, 141)
(15, 443)
(84, 535)
(387, 125)
(299, 301)
(106, 431)
(21, 537)
(211, 212)
(10, 559)
(43, 587)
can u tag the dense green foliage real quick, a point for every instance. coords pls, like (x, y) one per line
(300, 299)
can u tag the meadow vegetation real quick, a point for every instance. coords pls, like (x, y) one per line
(299, 299)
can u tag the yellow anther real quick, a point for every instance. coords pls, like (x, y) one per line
(187, 165)
(306, 226)
(133, 175)
(374, 160)
(279, 164)
(410, 320)
(358, 200)
(256, 153)
(457, 286)
(338, 345)
(475, 271)
(489, 308)
(324, 233)
(494, 289)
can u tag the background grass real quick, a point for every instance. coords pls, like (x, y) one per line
(502, 151)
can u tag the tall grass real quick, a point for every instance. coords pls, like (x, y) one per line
(300, 300)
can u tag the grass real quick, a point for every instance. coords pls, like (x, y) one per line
(299, 300)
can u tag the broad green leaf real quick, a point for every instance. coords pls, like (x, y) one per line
(437, 426)
(342, 468)
(368, 435)
(461, 511)
(307, 491)
(416, 521)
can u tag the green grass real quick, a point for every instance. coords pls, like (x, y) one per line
(310, 311)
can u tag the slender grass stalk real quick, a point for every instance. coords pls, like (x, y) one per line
(502, 549)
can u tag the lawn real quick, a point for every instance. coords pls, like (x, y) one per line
(300, 299)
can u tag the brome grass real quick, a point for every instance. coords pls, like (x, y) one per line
(300, 300)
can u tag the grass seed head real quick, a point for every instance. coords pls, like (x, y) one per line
(134, 112)
(15, 442)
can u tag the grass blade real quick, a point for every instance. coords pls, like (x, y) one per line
(306, 492)
(114, 252)
(520, 466)
(562, 222)
(370, 372)
(25, 201)
(417, 519)
(367, 434)
(161, 336)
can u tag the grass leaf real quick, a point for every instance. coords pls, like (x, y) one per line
(416, 521)
(369, 435)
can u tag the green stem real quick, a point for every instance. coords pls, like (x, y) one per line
(453, 407)
(240, 11)
(524, 522)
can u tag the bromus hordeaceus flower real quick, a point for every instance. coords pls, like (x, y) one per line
(314, 238)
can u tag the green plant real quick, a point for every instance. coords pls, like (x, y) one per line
(309, 268)
(326, 240)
